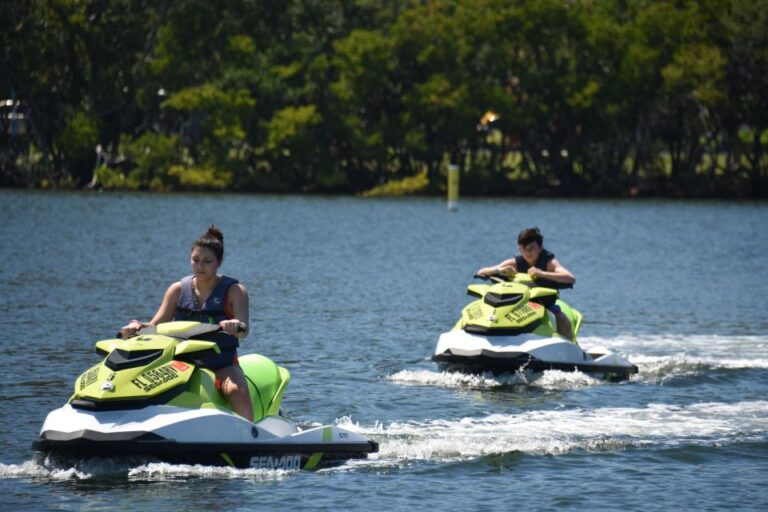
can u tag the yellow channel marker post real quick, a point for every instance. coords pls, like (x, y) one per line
(453, 187)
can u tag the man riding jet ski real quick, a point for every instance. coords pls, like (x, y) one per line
(150, 397)
(511, 327)
(542, 266)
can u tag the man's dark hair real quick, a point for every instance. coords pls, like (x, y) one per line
(529, 235)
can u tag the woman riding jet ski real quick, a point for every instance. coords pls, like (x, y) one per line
(510, 327)
(150, 397)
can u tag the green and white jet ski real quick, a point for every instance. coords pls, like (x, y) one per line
(508, 328)
(149, 398)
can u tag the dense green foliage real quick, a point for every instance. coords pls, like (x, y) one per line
(592, 97)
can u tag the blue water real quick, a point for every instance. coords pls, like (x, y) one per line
(351, 294)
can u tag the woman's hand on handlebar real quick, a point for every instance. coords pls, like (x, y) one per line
(233, 327)
(129, 330)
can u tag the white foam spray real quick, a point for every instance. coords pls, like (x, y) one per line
(561, 431)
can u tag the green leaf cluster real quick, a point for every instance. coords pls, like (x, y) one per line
(528, 97)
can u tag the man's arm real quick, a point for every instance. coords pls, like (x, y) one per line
(506, 267)
(555, 272)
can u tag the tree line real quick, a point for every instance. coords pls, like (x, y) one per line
(526, 97)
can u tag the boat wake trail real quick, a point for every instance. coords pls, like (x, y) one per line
(660, 358)
(165, 471)
(551, 380)
(34, 470)
(563, 431)
(51, 470)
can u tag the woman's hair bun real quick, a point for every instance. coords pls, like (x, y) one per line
(214, 232)
(212, 239)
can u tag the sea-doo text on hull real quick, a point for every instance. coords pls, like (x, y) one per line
(148, 397)
(508, 329)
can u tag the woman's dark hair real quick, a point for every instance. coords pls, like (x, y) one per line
(212, 239)
(529, 235)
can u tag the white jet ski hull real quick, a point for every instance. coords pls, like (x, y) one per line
(458, 350)
(197, 436)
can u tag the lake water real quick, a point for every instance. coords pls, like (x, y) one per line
(351, 294)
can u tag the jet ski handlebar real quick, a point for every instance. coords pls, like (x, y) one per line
(494, 278)
(186, 330)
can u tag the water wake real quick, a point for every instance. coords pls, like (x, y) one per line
(658, 357)
(738, 348)
(165, 471)
(661, 357)
(32, 469)
(563, 431)
(552, 379)
(135, 470)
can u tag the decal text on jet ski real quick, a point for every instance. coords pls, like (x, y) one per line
(286, 462)
(150, 379)
(520, 313)
(474, 312)
(89, 377)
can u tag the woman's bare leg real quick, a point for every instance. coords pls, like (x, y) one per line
(235, 389)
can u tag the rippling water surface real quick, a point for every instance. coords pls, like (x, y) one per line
(351, 294)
